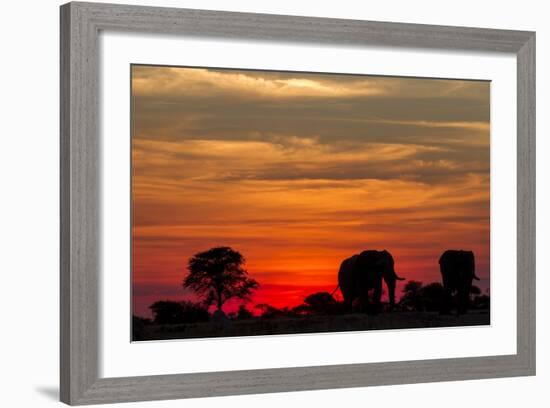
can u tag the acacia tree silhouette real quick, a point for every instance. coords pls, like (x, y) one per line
(219, 275)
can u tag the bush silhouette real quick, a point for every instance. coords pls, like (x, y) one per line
(138, 327)
(244, 313)
(270, 312)
(432, 296)
(321, 303)
(481, 302)
(169, 312)
(411, 298)
(419, 297)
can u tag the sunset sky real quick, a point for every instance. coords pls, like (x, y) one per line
(299, 171)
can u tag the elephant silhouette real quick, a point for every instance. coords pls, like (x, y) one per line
(457, 272)
(364, 272)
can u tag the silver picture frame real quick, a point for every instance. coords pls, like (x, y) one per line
(81, 24)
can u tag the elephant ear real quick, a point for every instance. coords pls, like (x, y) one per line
(381, 262)
(360, 262)
(387, 257)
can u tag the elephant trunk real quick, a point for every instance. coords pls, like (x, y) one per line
(397, 277)
(474, 266)
(390, 283)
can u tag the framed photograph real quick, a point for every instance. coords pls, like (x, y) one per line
(259, 203)
(252, 190)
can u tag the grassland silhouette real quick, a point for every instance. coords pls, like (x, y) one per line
(218, 275)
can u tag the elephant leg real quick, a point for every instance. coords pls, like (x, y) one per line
(446, 301)
(364, 302)
(463, 296)
(377, 295)
(361, 304)
(391, 293)
(348, 304)
(460, 308)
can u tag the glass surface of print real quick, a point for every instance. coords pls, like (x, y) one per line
(268, 202)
